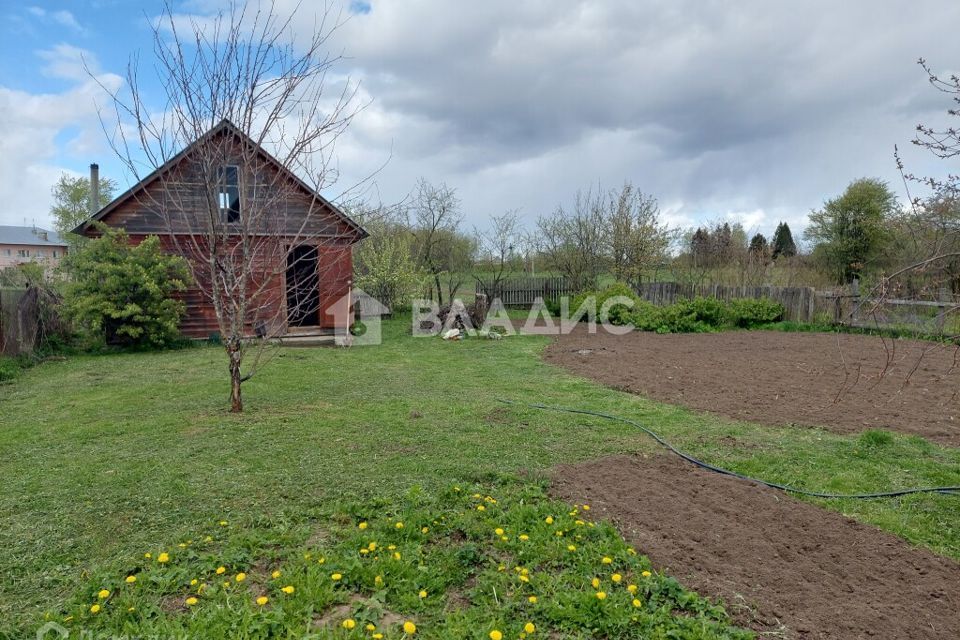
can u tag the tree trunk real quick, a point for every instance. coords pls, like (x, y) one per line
(436, 279)
(236, 400)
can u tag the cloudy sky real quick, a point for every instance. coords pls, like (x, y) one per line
(753, 111)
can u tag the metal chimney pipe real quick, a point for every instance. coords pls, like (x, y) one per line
(94, 188)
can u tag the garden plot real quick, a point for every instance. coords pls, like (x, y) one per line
(845, 383)
(784, 567)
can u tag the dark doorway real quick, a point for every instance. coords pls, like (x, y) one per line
(303, 287)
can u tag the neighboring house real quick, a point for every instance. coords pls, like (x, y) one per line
(312, 275)
(30, 244)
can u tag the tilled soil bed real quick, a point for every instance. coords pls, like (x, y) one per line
(845, 383)
(781, 565)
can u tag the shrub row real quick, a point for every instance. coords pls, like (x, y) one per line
(686, 316)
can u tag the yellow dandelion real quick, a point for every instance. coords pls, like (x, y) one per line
(632, 588)
(288, 589)
(524, 537)
(607, 560)
(336, 577)
(586, 507)
(549, 520)
(221, 570)
(616, 578)
(349, 623)
(423, 593)
(131, 579)
(377, 636)
(409, 628)
(424, 529)
(370, 627)
(372, 546)
(496, 635)
(148, 555)
(275, 574)
(529, 627)
(636, 602)
(362, 525)
(194, 582)
(103, 594)
(601, 595)
(571, 547)
(399, 525)
(396, 555)
(378, 581)
(95, 609)
(163, 557)
(391, 547)
(532, 599)
(262, 600)
(498, 531)
(595, 583)
(191, 601)
(321, 560)
(480, 507)
(240, 577)
(646, 574)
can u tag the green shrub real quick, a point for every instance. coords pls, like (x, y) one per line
(123, 294)
(748, 312)
(618, 314)
(9, 368)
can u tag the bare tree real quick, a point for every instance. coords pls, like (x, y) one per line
(574, 242)
(436, 217)
(234, 85)
(499, 248)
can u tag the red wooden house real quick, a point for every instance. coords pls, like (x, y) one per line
(308, 280)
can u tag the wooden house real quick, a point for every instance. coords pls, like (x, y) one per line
(304, 286)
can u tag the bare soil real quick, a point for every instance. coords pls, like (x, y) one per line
(845, 383)
(783, 567)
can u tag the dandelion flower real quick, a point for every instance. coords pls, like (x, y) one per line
(571, 547)
(336, 577)
(372, 546)
(262, 600)
(632, 588)
(423, 593)
(529, 627)
(616, 578)
(131, 579)
(95, 609)
(148, 555)
(424, 530)
(275, 574)
(524, 537)
(194, 582)
(409, 628)
(221, 570)
(288, 589)
(370, 627)
(241, 577)
(191, 601)
(391, 547)
(586, 507)
(378, 581)
(163, 557)
(103, 594)
(321, 560)
(399, 525)
(646, 574)
(480, 507)
(498, 531)
(362, 525)
(349, 623)
(223, 523)
(595, 583)
(396, 555)
(601, 595)
(524, 578)
(377, 636)
(607, 560)
(549, 520)
(496, 635)
(532, 599)
(636, 603)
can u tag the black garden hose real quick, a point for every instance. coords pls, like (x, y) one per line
(706, 465)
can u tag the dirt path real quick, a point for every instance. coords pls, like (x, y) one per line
(770, 377)
(781, 565)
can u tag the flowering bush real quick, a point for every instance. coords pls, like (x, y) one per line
(474, 562)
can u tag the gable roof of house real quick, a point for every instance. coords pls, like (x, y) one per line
(32, 236)
(224, 126)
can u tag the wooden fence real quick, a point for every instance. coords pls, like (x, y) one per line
(12, 340)
(799, 303)
(522, 292)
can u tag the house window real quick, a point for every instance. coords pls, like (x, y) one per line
(229, 195)
(55, 254)
(23, 253)
(39, 253)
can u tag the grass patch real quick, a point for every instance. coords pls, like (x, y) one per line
(103, 457)
(470, 562)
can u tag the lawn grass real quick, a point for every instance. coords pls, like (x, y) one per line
(102, 457)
